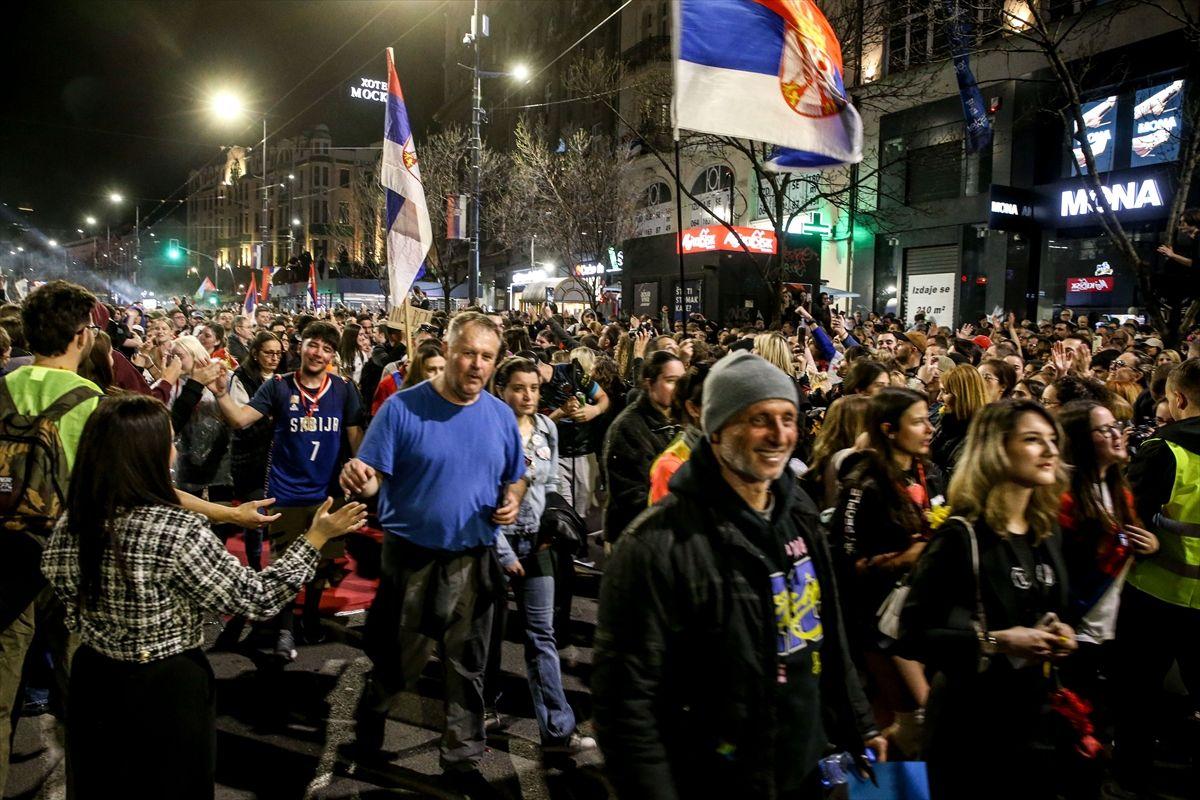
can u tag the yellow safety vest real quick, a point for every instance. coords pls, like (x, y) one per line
(1173, 573)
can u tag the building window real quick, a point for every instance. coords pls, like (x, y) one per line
(712, 179)
(909, 38)
(343, 213)
(344, 178)
(933, 173)
(655, 193)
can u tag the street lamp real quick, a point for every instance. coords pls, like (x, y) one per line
(479, 28)
(90, 220)
(115, 197)
(228, 106)
(53, 242)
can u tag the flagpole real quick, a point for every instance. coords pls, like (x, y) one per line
(679, 227)
(408, 332)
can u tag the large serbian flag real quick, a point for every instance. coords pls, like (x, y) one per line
(409, 234)
(313, 296)
(769, 70)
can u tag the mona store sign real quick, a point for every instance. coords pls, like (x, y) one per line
(1135, 195)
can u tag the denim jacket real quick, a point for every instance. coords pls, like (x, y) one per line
(541, 470)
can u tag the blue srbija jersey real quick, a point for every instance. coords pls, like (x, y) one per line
(309, 425)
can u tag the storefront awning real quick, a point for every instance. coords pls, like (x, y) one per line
(558, 290)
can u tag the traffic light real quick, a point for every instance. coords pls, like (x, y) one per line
(174, 251)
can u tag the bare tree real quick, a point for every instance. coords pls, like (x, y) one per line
(1065, 45)
(445, 170)
(570, 193)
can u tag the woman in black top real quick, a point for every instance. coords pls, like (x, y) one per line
(879, 529)
(251, 446)
(989, 683)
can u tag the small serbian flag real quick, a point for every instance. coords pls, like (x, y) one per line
(768, 70)
(264, 290)
(456, 216)
(251, 297)
(206, 285)
(409, 232)
(312, 286)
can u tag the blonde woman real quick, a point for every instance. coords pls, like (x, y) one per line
(963, 394)
(774, 348)
(988, 679)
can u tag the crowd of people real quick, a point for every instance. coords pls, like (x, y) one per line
(828, 542)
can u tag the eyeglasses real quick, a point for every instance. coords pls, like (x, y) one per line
(270, 353)
(1113, 430)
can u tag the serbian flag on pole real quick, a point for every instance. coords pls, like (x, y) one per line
(264, 290)
(409, 233)
(251, 297)
(769, 70)
(206, 285)
(313, 297)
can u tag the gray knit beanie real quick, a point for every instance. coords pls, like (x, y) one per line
(738, 381)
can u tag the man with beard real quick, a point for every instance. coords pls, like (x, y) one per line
(316, 412)
(447, 461)
(722, 667)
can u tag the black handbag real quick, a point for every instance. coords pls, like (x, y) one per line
(562, 526)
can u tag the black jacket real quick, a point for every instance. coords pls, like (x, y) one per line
(1152, 471)
(685, 683)
(947, 440)
(633, 441)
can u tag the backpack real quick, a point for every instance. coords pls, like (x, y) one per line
(33, 465)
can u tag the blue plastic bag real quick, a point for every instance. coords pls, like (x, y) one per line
(898, 780)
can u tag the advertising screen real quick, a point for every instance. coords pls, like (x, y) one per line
(1157, 120)
(1099, 117)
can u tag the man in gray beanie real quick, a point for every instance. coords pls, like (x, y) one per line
(697, 691)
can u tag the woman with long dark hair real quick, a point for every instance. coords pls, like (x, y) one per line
(428, 363)
(251, 446)
(354, 350)
(1101, 534)
(137, 575)
(879, 529)
(984, 605)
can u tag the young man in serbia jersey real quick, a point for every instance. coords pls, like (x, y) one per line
(315, 411)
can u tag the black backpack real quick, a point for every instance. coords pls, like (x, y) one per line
(33, 481)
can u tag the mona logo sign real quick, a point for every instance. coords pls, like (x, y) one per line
(1089, 285)
(1128, 196)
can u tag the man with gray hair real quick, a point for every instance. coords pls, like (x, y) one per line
(722, 667)
(447, 461)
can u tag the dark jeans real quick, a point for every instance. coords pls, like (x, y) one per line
(425, 599)
(148, 729)
(1151, 636)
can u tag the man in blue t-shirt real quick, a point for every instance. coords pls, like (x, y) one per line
(446, 459)
(316, 414)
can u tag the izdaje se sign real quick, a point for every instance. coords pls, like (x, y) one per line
(708, 239)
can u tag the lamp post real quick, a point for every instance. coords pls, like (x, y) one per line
(228, 106)
(479, 29)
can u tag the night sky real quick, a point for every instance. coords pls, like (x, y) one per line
(105, 96)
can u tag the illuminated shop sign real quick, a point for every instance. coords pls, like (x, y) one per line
(1126, 196)
(370, 89)
(718, 237)
(1090, 285)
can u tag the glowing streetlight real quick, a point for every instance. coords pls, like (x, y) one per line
(90, 220)
(115, 197)
(295, 220)
(227, 105)
(53, 242)
(520, 72)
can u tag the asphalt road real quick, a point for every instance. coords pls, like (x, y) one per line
(278, 732)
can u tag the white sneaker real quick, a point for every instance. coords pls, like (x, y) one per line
(575, 744)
